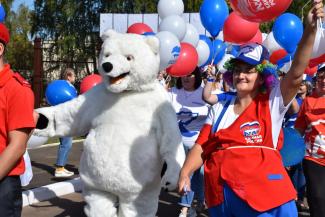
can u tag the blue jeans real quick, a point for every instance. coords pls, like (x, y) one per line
(197, 187)
(10, 197)
(298, 180)
(233, 206)
(63, 152)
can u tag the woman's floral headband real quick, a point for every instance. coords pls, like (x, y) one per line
(264, 68)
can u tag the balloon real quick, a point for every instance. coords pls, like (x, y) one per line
(260, 10)
(36, 141)
(174, 24)
(311, 70)
(288, 30)
(258, 38)
(271, 44)
(218, 51)
(169, 49)
(316, 61)
(213, 14)
(2, 13)
(89, 82)
(60, 91)
(170, 7)
(139, 28)
(203, 51)
(186, 62)
(319, 45)
(277, 55)
(191, 35)
(208, 41)
(149, 34)
(238, 30)
(294, 147)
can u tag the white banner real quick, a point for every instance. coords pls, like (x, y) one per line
(121, 22)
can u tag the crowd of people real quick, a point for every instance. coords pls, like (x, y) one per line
(231, 131)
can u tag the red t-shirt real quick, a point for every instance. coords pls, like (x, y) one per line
(16, 109)
(311, 120)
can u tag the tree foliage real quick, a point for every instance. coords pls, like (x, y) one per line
(20, 49)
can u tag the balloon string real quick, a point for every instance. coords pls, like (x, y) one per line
(213, 55)
(302, 10)
(320, 27)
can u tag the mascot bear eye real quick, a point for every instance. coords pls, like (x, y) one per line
(129, 57)
(107, 55)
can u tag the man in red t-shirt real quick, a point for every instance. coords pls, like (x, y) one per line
(16, 123)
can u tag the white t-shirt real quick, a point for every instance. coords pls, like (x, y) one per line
(277, 111)
(191, 112)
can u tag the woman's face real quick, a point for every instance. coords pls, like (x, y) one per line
(320, 83)
(246, 78)
(302, 88)
(188, 82)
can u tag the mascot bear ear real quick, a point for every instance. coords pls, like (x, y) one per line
(108, 34)
(153, 43)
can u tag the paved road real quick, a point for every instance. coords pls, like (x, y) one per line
(43, 160)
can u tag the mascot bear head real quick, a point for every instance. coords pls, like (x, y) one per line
(128, 61)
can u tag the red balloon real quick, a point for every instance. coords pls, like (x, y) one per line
(139, 28)
(311, 70)
(258, 38)
(238, 30)
(316, 61)
(260, 10)
(89, 82)
(186, 61)
(277, 55)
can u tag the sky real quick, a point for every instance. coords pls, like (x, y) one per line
(28, 3)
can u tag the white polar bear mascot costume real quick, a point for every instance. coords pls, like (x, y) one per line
(132, 130)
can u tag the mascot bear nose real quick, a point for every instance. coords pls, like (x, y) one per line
(107, 67)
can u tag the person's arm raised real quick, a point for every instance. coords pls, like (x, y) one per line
(292, 80)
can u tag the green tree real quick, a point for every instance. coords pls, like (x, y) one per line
(72, 26)
(20, 50)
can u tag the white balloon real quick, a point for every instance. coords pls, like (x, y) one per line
(174, 24)
(286, 67)
(203, 51)
(319, 45)
(264, 36)
(36, 141)
(170, 7)
(191, 36)
(271, 44)
(222, 62)
(169, 48)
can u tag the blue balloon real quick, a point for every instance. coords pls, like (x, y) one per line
(149, 34)
(284, 60)
(294, 147)
(213, 14)
(2, 14)
(218, 51)
(208, 41)
(287, 31)
(60, 91)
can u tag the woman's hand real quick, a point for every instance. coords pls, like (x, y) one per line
(317, 12)
(184, 184)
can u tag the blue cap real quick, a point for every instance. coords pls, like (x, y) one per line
(252, 54)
